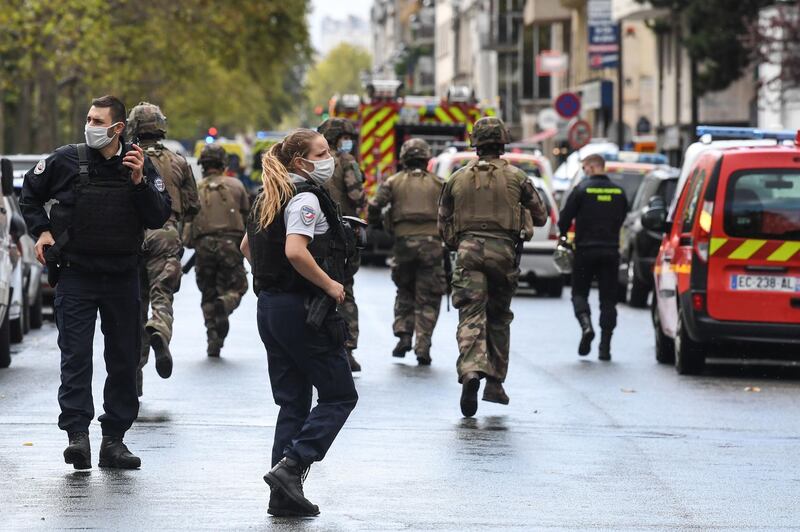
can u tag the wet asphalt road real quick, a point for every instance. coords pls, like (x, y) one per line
(583, 444)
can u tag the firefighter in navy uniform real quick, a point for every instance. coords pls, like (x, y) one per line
(598, 207)
(298, 247)
(105, 195)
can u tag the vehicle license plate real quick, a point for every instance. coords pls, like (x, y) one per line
(765, 283)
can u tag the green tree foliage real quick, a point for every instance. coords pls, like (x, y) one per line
(339, 72)
(713, 33)
(204, 62)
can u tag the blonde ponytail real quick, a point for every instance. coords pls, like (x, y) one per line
(275, 165)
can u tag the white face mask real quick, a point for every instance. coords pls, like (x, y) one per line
(97, 137)
(346, 147)
(323, 170)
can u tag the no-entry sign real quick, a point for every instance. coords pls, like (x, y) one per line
(568, 104)
(579, 134)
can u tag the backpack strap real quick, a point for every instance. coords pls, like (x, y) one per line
(83, 163)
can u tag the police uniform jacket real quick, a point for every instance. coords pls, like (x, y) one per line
(54, 178)
(598, 207)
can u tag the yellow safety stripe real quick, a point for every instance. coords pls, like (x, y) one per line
(443, 117)
(387, 143)
(386, 162)
(367, 128)
(716, 243)
(366, 146)
(747, 249)
(386, 126)
(785, 252)
(458, 114)
(705, 221)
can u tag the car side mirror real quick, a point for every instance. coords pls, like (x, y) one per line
(7, 178)
(654, 217)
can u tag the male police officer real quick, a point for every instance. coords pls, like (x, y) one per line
(418, 268)
(598, 207)
(161, 265)
(215, 233)
(94, 233)
(346, 187)
(483, 215)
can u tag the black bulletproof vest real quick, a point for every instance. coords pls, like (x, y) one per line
(272, 271)
(103, 220)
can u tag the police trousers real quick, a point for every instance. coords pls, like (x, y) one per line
(300, 358)
(601, 263)
(79, 296)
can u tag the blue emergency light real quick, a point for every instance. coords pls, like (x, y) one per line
(747, 133)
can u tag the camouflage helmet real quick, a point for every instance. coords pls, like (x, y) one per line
(213, 155)
(489, 130)
(334, 128)
(147, 119)
(415, 149)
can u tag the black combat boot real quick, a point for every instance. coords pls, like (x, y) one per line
(355, 367)
(78, 452)
(221, 317)
(587, 334)
(470, 383)
(282, 506)
(423, 357)
(605, 345)
(494, 392)
(115, 454)
(163, 356)
(287, 477)
(403, 346)
(214, 347)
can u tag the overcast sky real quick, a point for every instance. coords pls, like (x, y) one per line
(336, 9)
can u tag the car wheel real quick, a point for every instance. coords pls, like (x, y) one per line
(36, 318)
(5, 343)
(636, 291)
(665, 346)
(689, 356)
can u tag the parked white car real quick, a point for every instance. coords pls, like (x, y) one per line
(6, 172)
(537, 267)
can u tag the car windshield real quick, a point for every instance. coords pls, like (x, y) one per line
(628, 181)
(763, 204)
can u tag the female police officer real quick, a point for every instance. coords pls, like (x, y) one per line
(296, 245)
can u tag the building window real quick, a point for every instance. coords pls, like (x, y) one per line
(536, 39)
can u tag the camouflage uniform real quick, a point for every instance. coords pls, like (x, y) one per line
(483, 215)
(418, 265)
(161, 262)
(346, 187)
(216, 234)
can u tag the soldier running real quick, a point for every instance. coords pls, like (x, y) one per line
(483, 215)
(418, 269)
(216, 233)
(346, 187)
(161, 264)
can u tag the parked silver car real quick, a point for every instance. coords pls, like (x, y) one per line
(537, 267)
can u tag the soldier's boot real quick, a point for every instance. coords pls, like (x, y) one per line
(605, 345)
(163, 356)
(282, 506)
(214, 348)
(403, 346)
(355, 367)
(587, 334)
(470, 383)
(423, 356)
(78, 452)
(115, 454)
(494, 392)
(287, 476)
(221, 317)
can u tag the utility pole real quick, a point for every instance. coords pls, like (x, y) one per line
(620, 91)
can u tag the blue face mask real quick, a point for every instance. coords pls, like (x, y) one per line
(346, 147)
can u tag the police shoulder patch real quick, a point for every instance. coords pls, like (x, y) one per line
(159, 184)
(40, 167)
(308, 214)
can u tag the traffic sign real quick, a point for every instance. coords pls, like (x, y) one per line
(568, 104)
(547, 119)
(579, 134)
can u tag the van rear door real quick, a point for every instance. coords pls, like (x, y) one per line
(754, 254)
